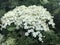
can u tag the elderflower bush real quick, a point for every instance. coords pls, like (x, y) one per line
(32, 18)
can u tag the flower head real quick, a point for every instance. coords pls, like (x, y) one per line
(32, 18)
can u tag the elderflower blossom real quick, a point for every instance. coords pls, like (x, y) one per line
(32, 18)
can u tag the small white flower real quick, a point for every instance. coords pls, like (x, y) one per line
(37, 32)
(26, 27)
(31, 30)
(26, 34)
(40, 39)
(34, 34)
(40, 35)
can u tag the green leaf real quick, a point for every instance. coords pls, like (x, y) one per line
(11, 28)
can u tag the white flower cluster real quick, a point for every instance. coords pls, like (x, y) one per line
(32, 18)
